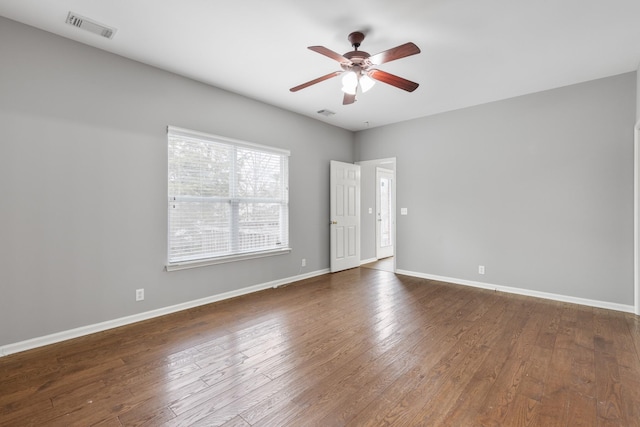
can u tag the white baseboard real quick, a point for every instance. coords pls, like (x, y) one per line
(368, 261)
(526, 292)
(110, 324)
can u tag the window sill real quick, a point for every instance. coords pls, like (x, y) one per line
(222, 260)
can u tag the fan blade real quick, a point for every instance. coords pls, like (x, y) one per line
(318, 80)
(397, 52)
(348, 99)
(331, 54)
(399, 82)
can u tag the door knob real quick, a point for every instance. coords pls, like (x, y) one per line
(333, 222)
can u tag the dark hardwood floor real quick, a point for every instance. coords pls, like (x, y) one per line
(360, 347)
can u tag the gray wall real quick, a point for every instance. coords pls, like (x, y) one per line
(538, 189)
(83, 179)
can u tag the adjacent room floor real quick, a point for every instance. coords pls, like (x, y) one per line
(384, 264)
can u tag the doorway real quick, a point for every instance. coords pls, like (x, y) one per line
(369, 214)
(384, 213)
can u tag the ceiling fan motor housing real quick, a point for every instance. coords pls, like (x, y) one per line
(359, 61)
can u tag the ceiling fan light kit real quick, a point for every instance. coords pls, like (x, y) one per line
(366, 82)
(349, 82)
(352, 80)
(358, 70)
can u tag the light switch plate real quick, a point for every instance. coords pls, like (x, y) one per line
(403, 211)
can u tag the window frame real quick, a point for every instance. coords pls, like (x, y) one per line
(233, 201)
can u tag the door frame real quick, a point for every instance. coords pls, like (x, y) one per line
(636, 217)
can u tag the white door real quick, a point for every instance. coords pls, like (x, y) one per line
(345, 215)
(384, 213)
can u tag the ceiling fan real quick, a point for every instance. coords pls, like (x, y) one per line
(358, 68)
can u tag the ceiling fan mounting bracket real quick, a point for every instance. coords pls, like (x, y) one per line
(356, 39)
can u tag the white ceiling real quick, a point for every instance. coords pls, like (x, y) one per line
(473, 51)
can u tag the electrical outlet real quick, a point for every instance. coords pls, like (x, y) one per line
(481, 269)
(139, 294)
(304, 262)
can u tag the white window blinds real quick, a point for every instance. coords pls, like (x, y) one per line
(226, 197)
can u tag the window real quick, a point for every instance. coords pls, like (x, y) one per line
(228, 199)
